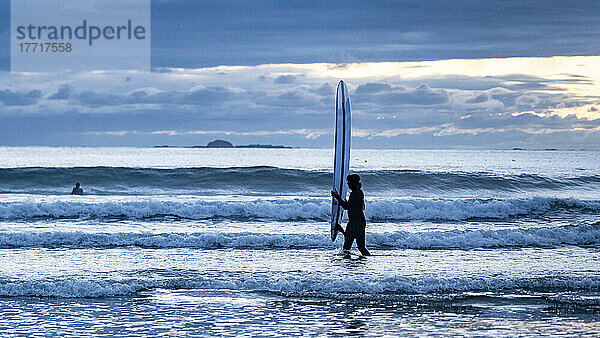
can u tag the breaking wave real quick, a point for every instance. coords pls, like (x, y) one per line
(294, 209)
(296, 286)
(455, 239)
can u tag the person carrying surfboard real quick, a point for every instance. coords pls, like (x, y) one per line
(356, 217)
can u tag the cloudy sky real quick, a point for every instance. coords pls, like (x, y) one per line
(421, 74)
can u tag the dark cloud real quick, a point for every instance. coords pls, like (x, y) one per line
(525, 121)
(529, 82)
(382, 93)
(199, 96)
(270, 31)
(63, 93)
(91, 98)
(483, 97)
(325, 90)
(460, 82)
(10, 98)
(507, 98)
(188, 33)
(285, 79)
(210, 95)
(528, 100)
(5, 35)
(372, 88)
(425, 95)
(295, 99)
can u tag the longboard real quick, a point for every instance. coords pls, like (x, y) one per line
(341, 157)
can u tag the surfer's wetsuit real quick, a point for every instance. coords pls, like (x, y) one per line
(77, 190)
(356, 221)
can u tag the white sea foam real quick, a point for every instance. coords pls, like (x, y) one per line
(296, 286)
(455, 239)
(290, 209)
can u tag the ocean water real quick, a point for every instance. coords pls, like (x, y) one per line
(236, 242)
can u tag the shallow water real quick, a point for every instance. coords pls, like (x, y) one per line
(235, 241)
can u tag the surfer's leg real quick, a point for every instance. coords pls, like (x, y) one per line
(348, 239)
(360, 242)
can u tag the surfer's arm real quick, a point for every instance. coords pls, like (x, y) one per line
(342, 202)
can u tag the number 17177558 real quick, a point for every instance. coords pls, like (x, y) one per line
(45, 47)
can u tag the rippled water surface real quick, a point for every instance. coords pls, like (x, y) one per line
(235, 241)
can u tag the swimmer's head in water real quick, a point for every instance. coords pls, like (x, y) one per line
(354, 181)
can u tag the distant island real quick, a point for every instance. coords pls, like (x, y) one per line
(544, 149)
(227, 144)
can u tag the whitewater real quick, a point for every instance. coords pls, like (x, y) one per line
(184, 241)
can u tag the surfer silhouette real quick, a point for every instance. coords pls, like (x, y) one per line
(355, 230)
(77, 189)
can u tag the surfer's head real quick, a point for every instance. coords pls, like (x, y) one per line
(354, 181)
(77, 184)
